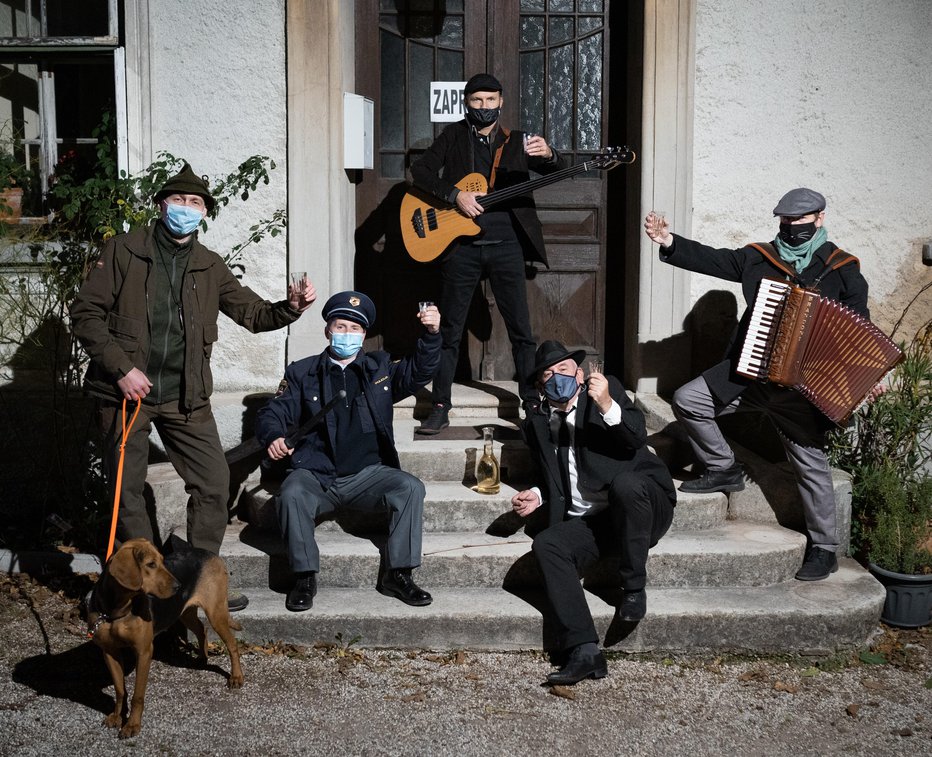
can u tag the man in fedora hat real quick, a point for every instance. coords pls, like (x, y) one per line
(800, 253)
(348, 460)
(147, 317)
(511, 234)
(602, 491)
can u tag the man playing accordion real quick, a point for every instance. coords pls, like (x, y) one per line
(801, 254)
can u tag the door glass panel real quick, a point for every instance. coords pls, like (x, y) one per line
(392, 119)
(421, 41)
(561, 88)
(420, 73)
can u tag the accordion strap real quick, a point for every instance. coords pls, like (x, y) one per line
(836, 260)
(770, 252)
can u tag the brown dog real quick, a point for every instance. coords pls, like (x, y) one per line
(139, 595)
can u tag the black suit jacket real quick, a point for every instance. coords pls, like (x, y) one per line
(602, 453)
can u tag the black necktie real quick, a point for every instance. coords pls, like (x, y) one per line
(560, 436)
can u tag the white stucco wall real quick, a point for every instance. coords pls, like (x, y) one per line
(830, 94)
(218, 96)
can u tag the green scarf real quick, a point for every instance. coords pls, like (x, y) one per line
(800, 257)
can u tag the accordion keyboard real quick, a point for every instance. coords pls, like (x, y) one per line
(753, 362)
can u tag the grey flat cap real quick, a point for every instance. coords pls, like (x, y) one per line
(799, 202)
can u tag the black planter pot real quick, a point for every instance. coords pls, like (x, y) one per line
(909, 598)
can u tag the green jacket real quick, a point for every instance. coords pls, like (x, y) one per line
(110, 315)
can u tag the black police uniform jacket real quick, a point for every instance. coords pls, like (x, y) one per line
(602, 453)
(306, 388)
(451, 157)
(748, 266)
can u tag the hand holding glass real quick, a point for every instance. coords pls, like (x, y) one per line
(423, 305)
(596, 365)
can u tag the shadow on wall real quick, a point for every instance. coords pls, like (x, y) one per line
(707, 331)
(397, 283)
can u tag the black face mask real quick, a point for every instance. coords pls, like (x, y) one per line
(796, 234)
(482, 117)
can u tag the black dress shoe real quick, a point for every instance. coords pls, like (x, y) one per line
(236, 601)
(818, 565)
(729, 480)
(585, 661)
(398, 583)
(436, 422)
(633, 605)
(301, 597)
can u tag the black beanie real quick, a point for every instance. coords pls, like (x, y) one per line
(482, 83)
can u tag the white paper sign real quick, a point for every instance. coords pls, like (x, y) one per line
(446, 101)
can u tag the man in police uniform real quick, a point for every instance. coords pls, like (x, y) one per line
(348, 460)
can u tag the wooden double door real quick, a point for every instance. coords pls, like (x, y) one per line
(552, 59)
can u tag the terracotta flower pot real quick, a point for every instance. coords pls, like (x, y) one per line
(11, 204)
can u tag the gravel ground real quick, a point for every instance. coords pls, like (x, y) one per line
(337, 699)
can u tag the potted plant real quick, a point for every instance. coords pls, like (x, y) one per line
(12, 174)
(888, 452)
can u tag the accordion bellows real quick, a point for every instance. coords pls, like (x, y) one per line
(816, 345)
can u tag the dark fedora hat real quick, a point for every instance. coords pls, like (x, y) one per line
(552, 352)
(186, 182)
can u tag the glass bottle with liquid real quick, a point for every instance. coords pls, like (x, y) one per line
(488, 474)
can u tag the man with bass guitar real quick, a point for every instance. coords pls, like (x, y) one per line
(511, 231)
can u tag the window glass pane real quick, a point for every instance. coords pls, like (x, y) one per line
(389, 22)
(67, 18)
(420, 73)
(393, 166)
(392, 118)
(561, 30)
(422, 26)
(561, 5)
(15, 23)
(532, 32)
(454, 6)
(82, 93)
(589, 24)
(452, 33)
(532, 92)
(589, 83)
(559, 99)
(532, 5)
(449, 65)
(590, 6)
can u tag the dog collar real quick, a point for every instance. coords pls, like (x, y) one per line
(92, 629)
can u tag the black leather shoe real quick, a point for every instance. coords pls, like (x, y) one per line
(436, 422)
(236, 601)
(633, 605)
(819, 564)
(398, 583)
(301, 596)
(583, 663)
(730, 480)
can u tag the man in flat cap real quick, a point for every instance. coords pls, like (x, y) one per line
(147, 317)
(348, 460)
(800, 253)
(511, 231)
(602, 492)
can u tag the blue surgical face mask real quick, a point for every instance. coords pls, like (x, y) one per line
(560, 389)
(181, 220)
(345, 344)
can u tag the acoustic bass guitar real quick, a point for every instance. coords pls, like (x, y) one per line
(428, 230)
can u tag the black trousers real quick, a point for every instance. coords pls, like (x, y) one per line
(638, 514)
(461, 272)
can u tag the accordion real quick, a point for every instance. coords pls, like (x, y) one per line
(817, 346)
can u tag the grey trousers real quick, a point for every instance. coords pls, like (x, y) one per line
(376, 488)
(193, 446)
(696, 408)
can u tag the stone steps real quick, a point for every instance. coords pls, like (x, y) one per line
(720, 580)
(793, 616)
(736, 554)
